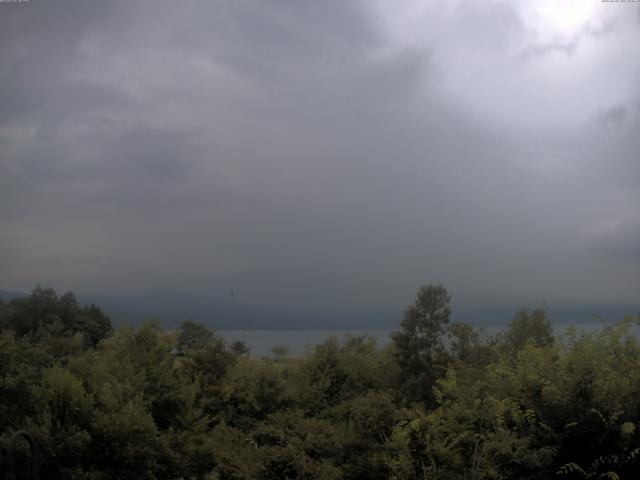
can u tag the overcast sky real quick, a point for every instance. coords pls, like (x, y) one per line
(311, 153)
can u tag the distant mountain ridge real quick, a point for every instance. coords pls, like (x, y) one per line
(170, 309)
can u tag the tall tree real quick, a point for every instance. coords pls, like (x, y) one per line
(419, 349)
(529, 326)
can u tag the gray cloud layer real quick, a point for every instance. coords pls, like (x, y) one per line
(319, 153)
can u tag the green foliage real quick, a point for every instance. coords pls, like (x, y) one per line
(44, 315)
(529, 327)
(419, 347)
(293, 446)
(150, 404)
(254, 390)
(337, 371)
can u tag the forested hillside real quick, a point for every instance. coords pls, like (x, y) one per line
(441, 401)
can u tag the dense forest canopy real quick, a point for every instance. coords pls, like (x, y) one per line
(441, 401)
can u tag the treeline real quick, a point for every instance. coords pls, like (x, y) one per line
(441, 401)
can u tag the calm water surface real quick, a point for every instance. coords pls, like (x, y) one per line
(299, 342)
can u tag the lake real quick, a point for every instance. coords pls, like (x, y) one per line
(299, 342)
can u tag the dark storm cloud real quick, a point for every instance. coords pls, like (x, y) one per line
(38, 42)
(312, 153)
(275, 33)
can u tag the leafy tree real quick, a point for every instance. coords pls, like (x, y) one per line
(239, 348)
(338, 371)
(470, 347)
(45, 315)
(30, 316)
(293, 446)
(193, 336)
(147, 403)
(280, 352)
(63, 418)
(420, 350)
(529, 326)
(205, 362)
(365, 424)
(93, 323)
(253, 391)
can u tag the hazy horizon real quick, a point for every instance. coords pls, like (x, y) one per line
(319, 155)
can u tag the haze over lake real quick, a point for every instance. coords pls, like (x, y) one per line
(299, 342)
(322, 157)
